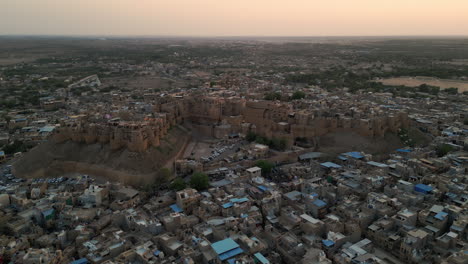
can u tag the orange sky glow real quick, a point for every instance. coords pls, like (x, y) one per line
(234, 17)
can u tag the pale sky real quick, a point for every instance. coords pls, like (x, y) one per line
(234, 17)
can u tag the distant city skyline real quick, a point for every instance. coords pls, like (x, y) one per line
(206, 18)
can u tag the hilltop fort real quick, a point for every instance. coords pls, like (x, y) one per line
(220, 117)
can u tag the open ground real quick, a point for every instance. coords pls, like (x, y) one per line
(416, 81)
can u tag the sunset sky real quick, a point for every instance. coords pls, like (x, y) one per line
(234, 17)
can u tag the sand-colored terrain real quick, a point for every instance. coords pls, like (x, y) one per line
(416, 81)
(52, 159)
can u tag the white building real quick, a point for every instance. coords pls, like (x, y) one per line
(254, 172)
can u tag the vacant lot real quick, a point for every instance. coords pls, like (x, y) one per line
(416, 81)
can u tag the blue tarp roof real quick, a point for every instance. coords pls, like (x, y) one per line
(2, 153)
(353, 154)
(352, 184)
(221, 183)
(390, 106)
(47, 129)
(230, 253)
(156, 253)
(348, 175)
(46, 98)
(228, 205)
(176, 208)
(239, 200)
(262, 188)
(330, 165)
(342, 157)
(294, 195)
(48, 212)
(377, 164)
(319, 203)
(451, 195)
(328, 243)
(404, 150)
(231, 261)
(441, 215)
(310, 155)
(80, 261)
(226, 248)
(261, 258)
(422, 187)
(225, 245)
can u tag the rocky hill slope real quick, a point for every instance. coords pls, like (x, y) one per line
(51, 159)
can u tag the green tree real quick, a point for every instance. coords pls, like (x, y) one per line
(199, 181)
(8, 103)
(451, 90)
(163, 176)
(265, 165)
(262, 140)
(443, 149)
(405, 138)
(108, 89)
(17, 146)
(424, 88)
(278, 144)
(178, 184)
(274, 143)
(298, 95)
(7, 118)
(273, 96)
(4, 228)
(136, 97)
(251, 136)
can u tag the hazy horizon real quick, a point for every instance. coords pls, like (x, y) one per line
(241, 18)
(226, 36)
